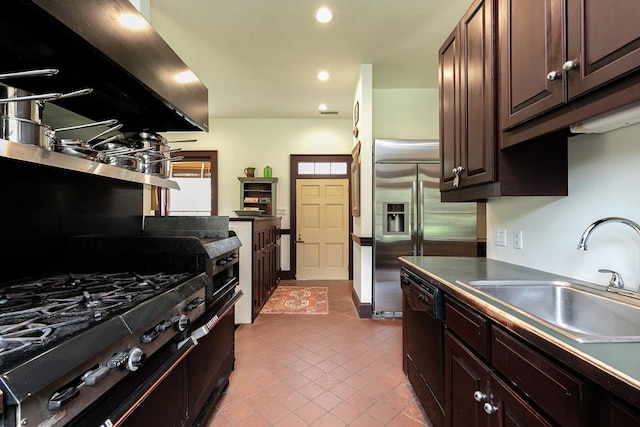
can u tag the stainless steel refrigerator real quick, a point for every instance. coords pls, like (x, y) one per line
(409, 218)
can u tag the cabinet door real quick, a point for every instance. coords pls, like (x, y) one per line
(467, 75)
(465, 376)
(508, 409)
(477, 77)
(619, 414)
(604, 40)
(531, 38)
(449, 76)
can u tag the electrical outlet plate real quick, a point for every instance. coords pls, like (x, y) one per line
(517, 239)
(281, 212)
(500, 238)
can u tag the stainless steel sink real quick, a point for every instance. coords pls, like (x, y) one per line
(579, 312)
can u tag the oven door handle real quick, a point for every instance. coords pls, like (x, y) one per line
(206, 328)
(141, 393)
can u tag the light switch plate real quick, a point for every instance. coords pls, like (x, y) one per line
(281, 212)
(500, 237)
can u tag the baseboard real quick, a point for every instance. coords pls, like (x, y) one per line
(287, 275)
(365, 310)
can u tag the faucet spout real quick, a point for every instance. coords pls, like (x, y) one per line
(582, 245)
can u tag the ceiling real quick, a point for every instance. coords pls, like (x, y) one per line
(259, 58)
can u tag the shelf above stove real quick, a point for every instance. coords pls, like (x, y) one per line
(37, 155)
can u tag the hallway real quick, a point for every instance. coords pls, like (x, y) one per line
(319, 370)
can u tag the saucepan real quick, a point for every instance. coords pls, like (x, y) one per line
(144, 164)
(19, 103)
(23, 109)
(84, 150)
(154, 141)
(30, 132)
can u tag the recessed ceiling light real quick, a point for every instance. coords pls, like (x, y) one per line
(132, 22)
(324, 15)
(322, 107)
(323, 75)
(186, 77)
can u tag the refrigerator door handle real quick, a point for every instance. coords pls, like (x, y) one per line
(414, 225)
(420, 219)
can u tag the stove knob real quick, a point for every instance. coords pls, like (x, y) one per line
(193, 304)
(117, 360)
(181, 322)
(135, 359)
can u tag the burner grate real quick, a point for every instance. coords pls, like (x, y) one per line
(41, 311)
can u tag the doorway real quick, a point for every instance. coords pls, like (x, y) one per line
(319, 192)
(197, 175)
(322, 224)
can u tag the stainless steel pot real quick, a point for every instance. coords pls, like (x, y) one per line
(30, 132)
(76, 148)
(26, 132)
(18, 103)
(153, 141)
(153, 165)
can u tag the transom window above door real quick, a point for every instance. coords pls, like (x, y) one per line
(322, 168)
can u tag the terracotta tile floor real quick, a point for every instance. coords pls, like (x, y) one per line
(319, 370)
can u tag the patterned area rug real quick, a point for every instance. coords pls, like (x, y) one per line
(297, 300)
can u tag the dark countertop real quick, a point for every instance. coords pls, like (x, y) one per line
(251, 218)
(614, 366)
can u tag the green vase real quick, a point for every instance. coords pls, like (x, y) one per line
(267, 172)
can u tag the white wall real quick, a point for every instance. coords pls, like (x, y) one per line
(405, 113)
(384, 113)
(265, 142)
(362, 225)
(604, 175)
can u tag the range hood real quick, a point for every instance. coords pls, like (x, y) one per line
(132, 71)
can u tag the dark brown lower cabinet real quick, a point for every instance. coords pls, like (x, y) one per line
(475, 396)
(266, 261)
(496, 376)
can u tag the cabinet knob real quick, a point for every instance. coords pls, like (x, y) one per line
(570, 65)
(490, 408)
(457, 171)
(479, 396)
(553, 75)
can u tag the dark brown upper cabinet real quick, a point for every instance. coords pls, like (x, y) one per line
(467, 96)
(472, 165)
(561, 62)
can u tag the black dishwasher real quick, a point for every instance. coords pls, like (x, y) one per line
(423, 318)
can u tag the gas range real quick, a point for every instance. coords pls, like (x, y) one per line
(67, 339)
(92, 345)
(38, 313)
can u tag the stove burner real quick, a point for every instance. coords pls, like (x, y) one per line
(40, 311)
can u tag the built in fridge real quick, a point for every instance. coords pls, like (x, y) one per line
(409, 218)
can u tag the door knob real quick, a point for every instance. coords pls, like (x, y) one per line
(490, 408)
(553, 75)
(479, 396)
(570, 65)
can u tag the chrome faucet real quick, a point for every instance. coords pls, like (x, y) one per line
(616, 279)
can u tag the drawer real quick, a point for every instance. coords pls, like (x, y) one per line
(566, 398)
(470, 326)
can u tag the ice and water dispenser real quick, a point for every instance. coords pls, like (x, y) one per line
(395, 217)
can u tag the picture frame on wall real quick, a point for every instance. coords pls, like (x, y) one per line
(355, 180)
(356, 113)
